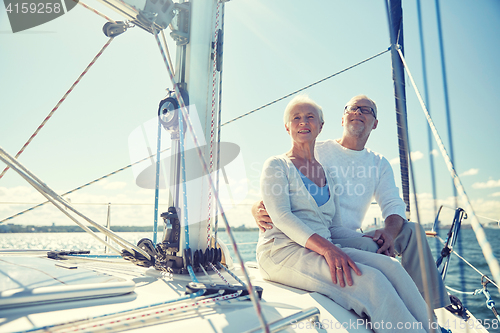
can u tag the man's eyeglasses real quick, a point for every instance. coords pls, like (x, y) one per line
(362, 109)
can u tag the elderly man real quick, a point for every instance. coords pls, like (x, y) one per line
(362, 175)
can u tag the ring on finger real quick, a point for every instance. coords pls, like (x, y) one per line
(339, 267)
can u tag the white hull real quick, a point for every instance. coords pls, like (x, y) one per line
(151, 305)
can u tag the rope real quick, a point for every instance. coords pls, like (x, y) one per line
(471, 293)
(206, 274)
(212, 122)
(183, 161)
(476, 226)
(232, 274)
(157, 182)
(216, 227)
(218, 273)
(468, 263)
(58, 104)
(95, 11)
(153, 309)
(184, 114)
(306, 87)
(85, 185)
(426, 94)
(404, 145)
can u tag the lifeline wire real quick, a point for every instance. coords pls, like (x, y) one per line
(59, 103)
(85, 185)
(476, 226)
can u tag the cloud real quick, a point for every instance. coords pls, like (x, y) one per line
(114, 186)
(434, 152)
(416, 155)
(496, 194)
(470, 172)
(489, 184)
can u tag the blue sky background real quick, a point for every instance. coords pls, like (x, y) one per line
(272, 48)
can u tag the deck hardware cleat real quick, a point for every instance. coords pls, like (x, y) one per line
(221, 289)
(56, 254)
(137, 258)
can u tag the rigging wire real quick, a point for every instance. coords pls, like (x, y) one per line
(167, 52)
(426, 94)
(51, 113)
(306, 87)
(157, 181)
(405, 156)
(476, 226)
(221, 44)
(49, 194)
(468, 263)
(82, 186)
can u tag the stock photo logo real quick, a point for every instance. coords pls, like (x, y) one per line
(26, 14)
(230, 176)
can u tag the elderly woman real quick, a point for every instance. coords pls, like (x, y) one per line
(298, 194)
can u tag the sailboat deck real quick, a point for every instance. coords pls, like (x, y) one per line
(112, 294)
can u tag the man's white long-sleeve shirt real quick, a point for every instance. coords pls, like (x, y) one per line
(360, 177)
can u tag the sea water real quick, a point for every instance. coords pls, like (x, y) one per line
(460, 276)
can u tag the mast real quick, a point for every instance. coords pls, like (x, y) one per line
(199, 64)
(396, 36)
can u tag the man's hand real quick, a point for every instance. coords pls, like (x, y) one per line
(261, 216)
(385, 237)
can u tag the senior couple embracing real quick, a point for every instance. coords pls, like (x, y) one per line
(315, 196)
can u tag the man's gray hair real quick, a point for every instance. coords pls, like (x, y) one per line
(299, 100)
(367, 98)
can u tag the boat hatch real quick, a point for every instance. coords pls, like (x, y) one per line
(38, 280)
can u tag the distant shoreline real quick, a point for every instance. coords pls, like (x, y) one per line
(16, 228)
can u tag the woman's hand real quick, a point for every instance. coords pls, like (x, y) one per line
(340, 264)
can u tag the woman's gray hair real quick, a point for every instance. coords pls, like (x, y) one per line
(302, 99)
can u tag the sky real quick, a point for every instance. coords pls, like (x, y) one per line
(271, 48)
